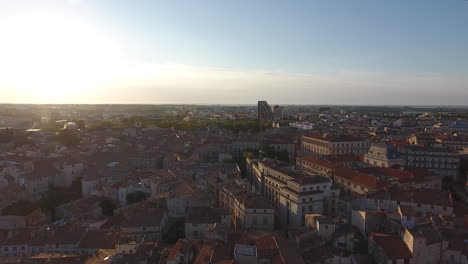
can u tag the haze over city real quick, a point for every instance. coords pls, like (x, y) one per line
(234, 52)
(233, 132)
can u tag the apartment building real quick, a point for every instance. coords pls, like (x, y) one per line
(248, 211)
(301, 196)
(440, 161)
(454, 142)
(241, 145)
(325, 144)
(347, 178)
(268, 113)
(420, 200)
(292, 193)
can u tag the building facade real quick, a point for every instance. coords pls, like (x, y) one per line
(292, 193)
(383, 155)
(324, 144)
(440, 161)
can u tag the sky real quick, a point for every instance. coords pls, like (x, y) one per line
(371, 52)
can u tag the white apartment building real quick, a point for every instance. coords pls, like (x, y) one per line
(292, 193)
(248, 211)
(442, 162)
(334, 145)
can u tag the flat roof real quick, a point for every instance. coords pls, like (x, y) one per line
(245, 250)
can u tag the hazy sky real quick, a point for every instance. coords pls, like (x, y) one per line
(226, 51)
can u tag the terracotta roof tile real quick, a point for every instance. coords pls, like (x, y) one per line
(393, 246)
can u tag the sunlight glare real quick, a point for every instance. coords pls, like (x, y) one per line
(52, 56)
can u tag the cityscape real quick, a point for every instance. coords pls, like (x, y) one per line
(233, 132)
(233, 184)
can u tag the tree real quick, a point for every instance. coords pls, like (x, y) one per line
(248, 155)
(57, 196)
(80, 124)
(108, 207)
(135, 197)
(7, 135)
(50, 126)
(68, 138)
(282, 155)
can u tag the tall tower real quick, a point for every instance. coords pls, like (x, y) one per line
(264, 111)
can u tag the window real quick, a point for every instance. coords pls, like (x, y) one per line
(325, 187)
(310, 208)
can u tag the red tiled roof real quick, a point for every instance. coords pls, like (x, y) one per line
(320, 162)
(421, 196)
(266, 242)
(204, 255)
(177, 248)
(344, 158)
(356, 177)
(335, 138)
(393, 246)
(349, 174)
(389, 172)
(398, 144)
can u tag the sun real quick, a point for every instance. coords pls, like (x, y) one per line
(51, 57)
